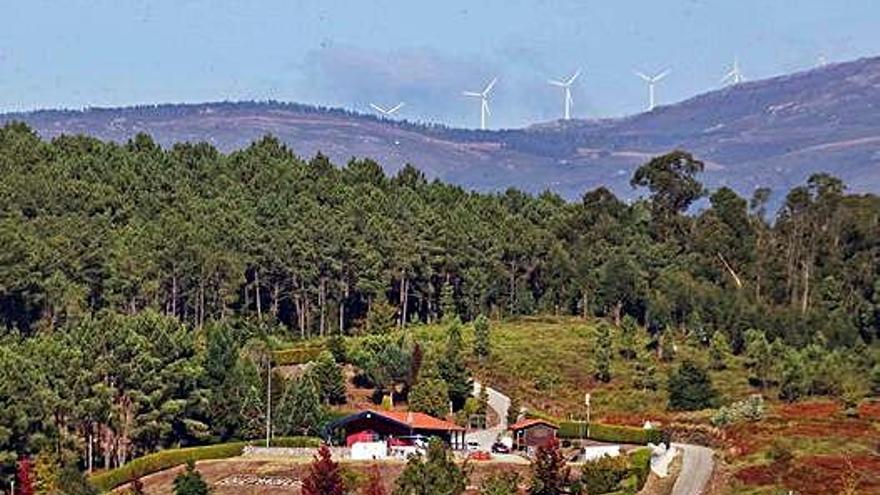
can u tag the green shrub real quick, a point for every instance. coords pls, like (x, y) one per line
(604, 475)
(166, 459)
(640, 466)
(746, 410)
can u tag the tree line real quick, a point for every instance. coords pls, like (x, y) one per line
(199, 236)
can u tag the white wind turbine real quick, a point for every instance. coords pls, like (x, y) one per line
(387, 112)
(652, 82)
(566, 86)
(484, 101)
(735, 76)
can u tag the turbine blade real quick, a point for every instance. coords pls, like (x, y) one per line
(556, 83)
(491, 84)
(642, 75)
(377, 108)
(661, 75)
(396, 107)
(471, 93)
(572, 78)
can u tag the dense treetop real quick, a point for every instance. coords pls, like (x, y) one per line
(88, 226)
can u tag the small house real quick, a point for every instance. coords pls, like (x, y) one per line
(532, 433)
(397, 429)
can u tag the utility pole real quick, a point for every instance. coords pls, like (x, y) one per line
(91, 450)
(268, 399)
(587, 401)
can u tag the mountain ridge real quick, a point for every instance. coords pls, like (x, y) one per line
(772, 132)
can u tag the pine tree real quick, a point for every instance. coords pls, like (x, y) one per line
(793, 383)
(430, 396)
(190, 482)
(327, 376)
(719, 351)
(299, 411)
(453, 369)
(645, 370)
(690, 388)
(628, 337)
(602, 353)
(759, 356)
(550, 475)
(448, 310)
(482, 343)
(325, 476)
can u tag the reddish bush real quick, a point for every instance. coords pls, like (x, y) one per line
(25, 477)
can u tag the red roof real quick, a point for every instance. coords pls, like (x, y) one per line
(528, 423)
(419, 421)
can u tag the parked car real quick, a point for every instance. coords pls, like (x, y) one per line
(500, 448)
(473, 446)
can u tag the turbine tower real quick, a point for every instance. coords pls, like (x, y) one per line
(735, 76)
(566, 86)
(652, 82)
(386, 112)
(484, 101)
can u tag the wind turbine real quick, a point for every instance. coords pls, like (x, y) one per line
(387, 112)
(735, 76)
(484, 101)
(566, 86)
(652, 81)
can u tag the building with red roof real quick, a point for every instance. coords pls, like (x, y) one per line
(395, 426)
(532, 433)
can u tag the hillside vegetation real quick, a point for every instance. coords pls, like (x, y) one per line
(143, 291)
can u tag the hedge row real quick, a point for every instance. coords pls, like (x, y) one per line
(167, 459)
(609, 433)
(296, 355)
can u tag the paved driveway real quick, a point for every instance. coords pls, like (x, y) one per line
(499, 403)
(696, 469)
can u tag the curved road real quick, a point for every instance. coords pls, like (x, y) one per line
(696, 469)
(697, 461)
(499, 403)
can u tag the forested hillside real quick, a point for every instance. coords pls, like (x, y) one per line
(131, 276)
(198, 235)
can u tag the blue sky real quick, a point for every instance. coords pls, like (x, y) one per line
(75, 53)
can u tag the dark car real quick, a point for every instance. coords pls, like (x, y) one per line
(500, 448)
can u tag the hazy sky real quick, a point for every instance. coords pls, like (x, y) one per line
(68, 53)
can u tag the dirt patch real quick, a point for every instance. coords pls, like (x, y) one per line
(817, 475)
(839, 429)
(809, 410)
(870, 410)
(219, 473)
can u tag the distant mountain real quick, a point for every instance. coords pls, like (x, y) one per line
(773, 132)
